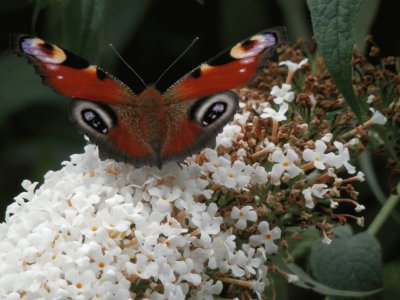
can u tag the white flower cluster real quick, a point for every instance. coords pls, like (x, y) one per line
(97, 229)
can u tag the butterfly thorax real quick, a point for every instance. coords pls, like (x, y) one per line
(151, 111)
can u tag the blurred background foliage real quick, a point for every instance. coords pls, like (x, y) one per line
(35, 132)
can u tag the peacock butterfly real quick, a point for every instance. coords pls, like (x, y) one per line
(152, 127)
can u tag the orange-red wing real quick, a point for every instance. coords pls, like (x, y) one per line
(69, 74)
(230, 69)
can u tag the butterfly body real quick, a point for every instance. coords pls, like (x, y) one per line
(152, 127)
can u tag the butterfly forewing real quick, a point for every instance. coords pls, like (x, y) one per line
(70, 75)
(230, 69)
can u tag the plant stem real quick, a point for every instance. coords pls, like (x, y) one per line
(384, 213)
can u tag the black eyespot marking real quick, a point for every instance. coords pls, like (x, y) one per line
(93, 119)
(74, 61)
(213, 113)
(222, 59)
(248, 44)
(195, 107)
(101, 74)
(48, 46)
(196, 73)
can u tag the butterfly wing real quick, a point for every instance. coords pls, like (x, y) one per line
(108, 115)
(230, 69)
(69, 74)
(201, 103)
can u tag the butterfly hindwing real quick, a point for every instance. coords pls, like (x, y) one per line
(193, 125)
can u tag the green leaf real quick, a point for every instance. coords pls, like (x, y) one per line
(353, 263)
(333, 23)
(301, 248)
(391, 283)
(122, 21)
(233, 10)
(83, 26)
(307, 282)
(77, 25)
(38, 6)
(296, 23)
(87, 26)
(367, 167)
(368, 11)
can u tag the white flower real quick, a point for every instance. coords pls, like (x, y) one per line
(283, 94)
(235, 176)
(326, 240)
(214, 161)
(266, 237)
(292, 66)
(317, 190)
(370, 99)
(270, 146)
(318, 156)
(359, 208)
(243, 215)
(313, 101)
(276, 115)
(333, 204)
(143, 267)
(234, 263)
(241, 153)
(207, 223)
(242, 118)
(206, 291)
(360, 176)
(259, 176)
(162, 197)
(253, 259)
(377, 117)
(80, 283)
(292, 278)
(342, 159)
(228, 134)
(185, 268)
(327, 137)
(354, 141)
(285, 165)
(223, 246)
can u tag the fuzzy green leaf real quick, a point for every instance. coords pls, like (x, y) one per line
(334, 23)
(392, 279)
(307, 282)
(349, 263)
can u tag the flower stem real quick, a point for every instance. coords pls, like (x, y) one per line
(274, 130)
(239, 282)
(385, 212)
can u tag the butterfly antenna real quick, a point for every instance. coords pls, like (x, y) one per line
(126, 63)
(177, 59)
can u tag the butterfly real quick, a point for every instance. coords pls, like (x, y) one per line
(152, 127)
